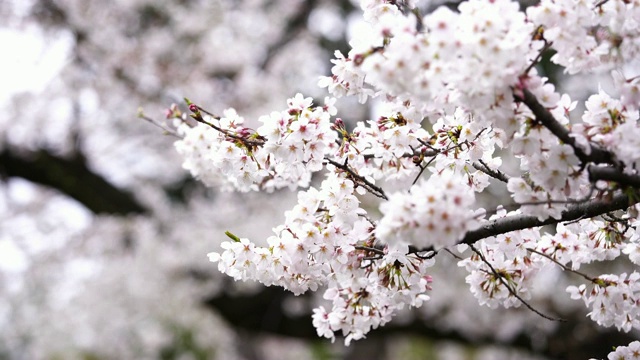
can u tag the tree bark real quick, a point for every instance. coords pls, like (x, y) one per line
(71, 177)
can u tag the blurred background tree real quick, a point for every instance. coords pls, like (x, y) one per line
(103, 237)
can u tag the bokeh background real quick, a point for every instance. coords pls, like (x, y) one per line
(103, 236)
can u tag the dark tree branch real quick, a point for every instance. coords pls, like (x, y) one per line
(577, 211)
(71, 177)
(585, 210)
(494, 173)
(544, 116)
(611, 174)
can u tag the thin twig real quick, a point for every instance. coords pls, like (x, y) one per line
(364, 216)
(167, 131)
(509, 288)
(494, 173)
(209, 113)
(375, 190)
(422, 169)
(535, 61)
(247, 142)
(564, 267)
(370, 249)
(457, 257)
(551, 201)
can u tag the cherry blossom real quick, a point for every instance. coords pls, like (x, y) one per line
(433, 213)
(459, 88)
(613, 300)
(632, 351)
(469, 164)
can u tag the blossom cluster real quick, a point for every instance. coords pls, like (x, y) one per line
(367, 147)
(327, 241)
(368, 297)
(610, 124)
(552, 173)
(461, 142)
(434, 213)
(501, 267)
(347, 79)
(632, 247)
(629, 352)
(468, 58)
(614, 300)
(468, 77)
(589, 35)
(283, 152)
(397, 147)
(584, 242)
(322, 227)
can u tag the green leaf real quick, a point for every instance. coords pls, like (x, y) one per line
(232, 236)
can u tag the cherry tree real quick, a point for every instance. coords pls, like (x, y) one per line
(463, 109)
(111, 235)
(94, 207)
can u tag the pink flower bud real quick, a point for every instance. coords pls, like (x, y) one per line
(358, 59)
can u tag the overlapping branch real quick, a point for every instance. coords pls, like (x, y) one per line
(359, 180)
(494, 173)
(581, 210)
(544, 116)
(588, 209)
(597, 173)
